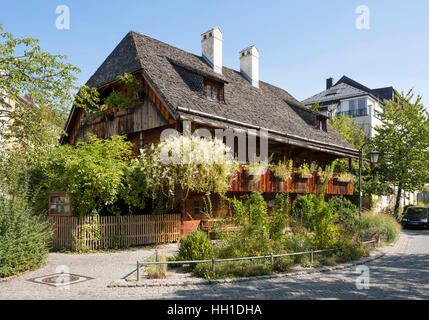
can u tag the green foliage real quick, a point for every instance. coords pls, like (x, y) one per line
(304, 169)
(90, 172)
(349, 130)
(47, 79)
(403, 140)
(256, 169)
(234, 269)
(196, 246)
(124, 100)
(315, 107)
(260, 227)
(282, 170)
(178, 166)
(24, 239)
(157, 271)
(326, 233)
(346, 213)
(379, 226)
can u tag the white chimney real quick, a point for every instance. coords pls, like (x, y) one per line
(211, 47)
(249, 65)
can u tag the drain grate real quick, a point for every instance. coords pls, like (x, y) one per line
(60, 279)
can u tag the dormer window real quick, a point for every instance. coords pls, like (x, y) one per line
(321, 124)
(213, 90)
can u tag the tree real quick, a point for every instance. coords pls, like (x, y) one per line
(315, 107)
(403, 140)
(92, 173)
(349, 130)
(48, 83)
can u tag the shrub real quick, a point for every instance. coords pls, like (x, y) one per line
(298, 242)
(351, 252)
(91, 172)
(283, 264)
(379, 226)
(196, 246)
(23, 237)
(234, 269)
(343, 208)
(260, 227)
(302, 210)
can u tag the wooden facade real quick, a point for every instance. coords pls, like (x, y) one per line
(144, 124)
(268, 183)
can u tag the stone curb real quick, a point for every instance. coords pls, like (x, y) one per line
(134, 284)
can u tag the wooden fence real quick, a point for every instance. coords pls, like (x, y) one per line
(112, 232)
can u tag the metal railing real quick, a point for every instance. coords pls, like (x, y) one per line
(362, 112)
(142, 264)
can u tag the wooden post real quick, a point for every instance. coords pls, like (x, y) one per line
(213, 265)
(311, 256)
(272, 259)
(156, 255)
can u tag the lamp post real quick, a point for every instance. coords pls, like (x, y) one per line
(374, 155)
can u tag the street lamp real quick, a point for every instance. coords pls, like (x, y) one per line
(373, 156)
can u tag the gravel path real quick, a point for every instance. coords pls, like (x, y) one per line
(403, 273)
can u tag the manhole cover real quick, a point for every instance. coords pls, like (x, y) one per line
(60, 279)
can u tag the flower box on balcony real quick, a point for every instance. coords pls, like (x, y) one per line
(344, 179)
(323, 176)
(303, 175)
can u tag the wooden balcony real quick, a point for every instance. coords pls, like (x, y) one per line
(269, 183)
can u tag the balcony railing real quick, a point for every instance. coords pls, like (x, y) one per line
(296, 184)
(363, 112)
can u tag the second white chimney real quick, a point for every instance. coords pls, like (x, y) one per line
(249, 65)
(211, 47)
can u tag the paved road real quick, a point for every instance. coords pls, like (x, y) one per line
(403, 273)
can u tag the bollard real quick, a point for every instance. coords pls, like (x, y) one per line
(213, 265)
(272, 259)
(311, 256)
(138, 271)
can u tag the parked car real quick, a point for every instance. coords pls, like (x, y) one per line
(416, 217)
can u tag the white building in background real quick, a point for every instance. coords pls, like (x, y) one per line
(350, 98)
(363, 105)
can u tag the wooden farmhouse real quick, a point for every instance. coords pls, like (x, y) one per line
(180, 86)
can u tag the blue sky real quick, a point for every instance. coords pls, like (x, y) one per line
(301, 43)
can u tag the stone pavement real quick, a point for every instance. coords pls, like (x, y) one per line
(403, 273)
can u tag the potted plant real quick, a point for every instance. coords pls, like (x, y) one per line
(324, 174)
(255, 170)
(304, 172)
(282, 170)
(344, 177)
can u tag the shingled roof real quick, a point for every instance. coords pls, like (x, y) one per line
(177, 77)
(346, 88)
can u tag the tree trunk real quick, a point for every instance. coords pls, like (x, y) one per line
(398, 200)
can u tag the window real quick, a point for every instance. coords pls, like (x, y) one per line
(353, 108)
(59, 205)
(196, 207)
(321, 124)
(213, 90)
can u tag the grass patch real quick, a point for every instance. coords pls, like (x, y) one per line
(157, 271)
